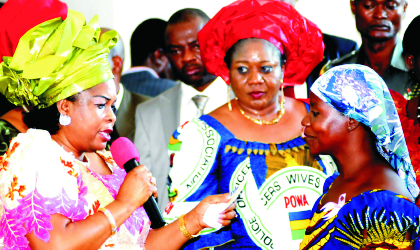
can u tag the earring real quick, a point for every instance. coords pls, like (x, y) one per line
(349, 128)
(229, 105)
(64, 120)
(25, 108)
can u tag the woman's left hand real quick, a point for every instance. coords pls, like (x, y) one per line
(195, 217)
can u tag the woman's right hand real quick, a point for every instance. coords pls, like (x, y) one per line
(136, 188)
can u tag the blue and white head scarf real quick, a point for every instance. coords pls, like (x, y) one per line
(360, 93)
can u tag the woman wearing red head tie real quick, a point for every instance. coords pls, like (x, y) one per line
(255, 139)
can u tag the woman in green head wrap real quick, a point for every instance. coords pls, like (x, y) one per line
(59, 188)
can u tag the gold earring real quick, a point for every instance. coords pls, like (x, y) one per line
(349, 128)
(229, 105)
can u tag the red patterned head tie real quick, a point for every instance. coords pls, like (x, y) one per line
(297, 38)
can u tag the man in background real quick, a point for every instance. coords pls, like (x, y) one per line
(378, 22)
(196, 93)
(150, 71)
(127, 101)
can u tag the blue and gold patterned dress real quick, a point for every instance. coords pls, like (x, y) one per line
(376, 219)
(283, 181)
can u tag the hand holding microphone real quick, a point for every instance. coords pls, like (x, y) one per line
(137, 188)
(139, 182)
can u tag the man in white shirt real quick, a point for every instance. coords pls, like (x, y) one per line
(196, 93)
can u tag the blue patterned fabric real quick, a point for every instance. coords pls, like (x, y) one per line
(207, 159)
(360, 93)
(375, 219)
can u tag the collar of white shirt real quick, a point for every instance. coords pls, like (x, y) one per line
(217, 93)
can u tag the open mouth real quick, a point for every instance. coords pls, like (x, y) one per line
(106, 134)
(308, 136)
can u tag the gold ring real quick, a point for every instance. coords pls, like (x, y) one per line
(153, 181)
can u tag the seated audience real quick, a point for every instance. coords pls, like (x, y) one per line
(197, 92)
(53, 196)
(369, 204)
(412, 60)
(257, 136)
(379, 22)
(150, 71)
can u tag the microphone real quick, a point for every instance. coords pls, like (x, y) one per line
(125, 154)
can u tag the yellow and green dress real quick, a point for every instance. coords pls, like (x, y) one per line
(376, 219)
(283, 181)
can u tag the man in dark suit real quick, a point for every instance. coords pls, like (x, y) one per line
(127, 101)
(150, 67)
(335, 47)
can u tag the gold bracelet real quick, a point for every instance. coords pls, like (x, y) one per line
(184, 229)
(110, 218)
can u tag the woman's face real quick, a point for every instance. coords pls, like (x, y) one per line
(255, 73)
(92, 117)
(325, 127)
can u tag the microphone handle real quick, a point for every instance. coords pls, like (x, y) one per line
(154, 213)
(150, 205)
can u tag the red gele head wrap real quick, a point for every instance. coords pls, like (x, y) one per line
(19, 16)
(297, 38)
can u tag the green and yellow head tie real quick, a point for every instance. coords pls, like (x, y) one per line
(57, 59)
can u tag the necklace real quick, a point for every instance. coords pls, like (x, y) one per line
(280, 113)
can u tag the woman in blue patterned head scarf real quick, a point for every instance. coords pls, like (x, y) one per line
(369, 204)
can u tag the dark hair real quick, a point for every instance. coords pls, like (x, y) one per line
(46, 118)
(146, 39)
(231, 51)
(372, 141)
(186, 15)
(5, 105)
(411, 38)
